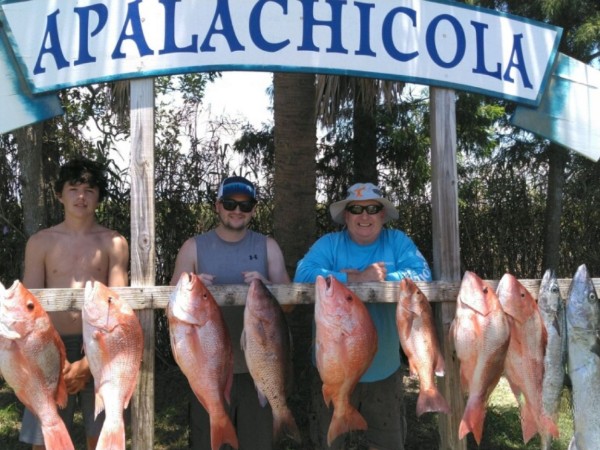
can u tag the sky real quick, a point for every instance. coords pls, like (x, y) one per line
(240, 95)
(237, 95)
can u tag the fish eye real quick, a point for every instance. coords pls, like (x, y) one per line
(554, 289)
(485, 290)
(349, 298)
(110, 299)
(30, 306)
(592, 297)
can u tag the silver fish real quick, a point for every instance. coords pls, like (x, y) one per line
(552, 309)
(583, 325)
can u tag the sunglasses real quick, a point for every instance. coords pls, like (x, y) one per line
(358, 209)
(245, 206)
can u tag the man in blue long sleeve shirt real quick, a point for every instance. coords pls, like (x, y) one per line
(365, 251)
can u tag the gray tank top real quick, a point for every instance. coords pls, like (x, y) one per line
(226, 261)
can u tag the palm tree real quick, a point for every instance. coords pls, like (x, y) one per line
(295, 152)
(339, 95)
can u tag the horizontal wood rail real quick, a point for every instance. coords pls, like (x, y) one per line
(157, 297)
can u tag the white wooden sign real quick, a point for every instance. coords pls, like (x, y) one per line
(64, 43)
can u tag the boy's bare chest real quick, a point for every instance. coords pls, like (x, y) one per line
(72, 262)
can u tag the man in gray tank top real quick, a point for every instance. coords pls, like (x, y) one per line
(233, 254)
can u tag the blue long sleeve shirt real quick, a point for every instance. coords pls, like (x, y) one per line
(335, 252)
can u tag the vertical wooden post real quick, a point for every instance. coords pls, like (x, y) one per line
(446, 250)
(142, 250)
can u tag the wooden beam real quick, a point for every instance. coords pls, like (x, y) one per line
(157, 297)
(446, 251)
(143, 251)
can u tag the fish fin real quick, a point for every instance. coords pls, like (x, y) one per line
(261, 397)
(112, 435)
(222, 432)
(440, 366)
(595, 349)
(8, 334)
(431, 400)
(57, 436)
(351, 420)
(284, 424)
(243, 340)
(62, 395)
(412, 368)
(98, 405)
(327, 394)
(228, 385)
(472, 420)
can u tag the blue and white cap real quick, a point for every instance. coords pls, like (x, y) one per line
(236, 186)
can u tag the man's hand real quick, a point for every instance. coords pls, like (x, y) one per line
(249, 276)
(76, 375)
(207, 279)
(374, 272)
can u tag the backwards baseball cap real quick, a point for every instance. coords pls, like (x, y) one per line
(236, 186)
(359, 192)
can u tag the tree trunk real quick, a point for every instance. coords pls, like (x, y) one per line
(364, 144)
(558, 158)
(29, 143)
(295, 166)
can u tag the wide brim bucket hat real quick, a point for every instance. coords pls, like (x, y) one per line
(360, 192)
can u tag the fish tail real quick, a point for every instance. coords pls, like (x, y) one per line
(528, 423)
(56, 437)
(112, 435)
(222, 432)
(549, 426)
(472, 420)
(284, 424)
(431, 400)
(340, 424)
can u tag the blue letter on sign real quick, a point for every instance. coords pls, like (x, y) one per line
(310, 22)
(170, 44)
(365, 29)
(137, 35)
(387, 35)
(255, 31)
(227, 31)
(479, 28)
(54, 49)
(460, 41)
(519, 64)
(84, 25)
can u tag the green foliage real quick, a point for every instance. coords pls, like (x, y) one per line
(12, 239)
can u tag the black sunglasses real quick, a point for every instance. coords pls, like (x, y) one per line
(245, 206)
(358, 209)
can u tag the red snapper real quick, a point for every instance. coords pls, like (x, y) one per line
(114, 342)
(345, 345)
(32, 356)
(202, 348)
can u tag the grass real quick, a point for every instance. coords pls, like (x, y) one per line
(502, 429)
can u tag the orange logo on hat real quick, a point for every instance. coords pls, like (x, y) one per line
(359, 191)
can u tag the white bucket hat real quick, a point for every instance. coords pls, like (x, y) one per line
(359, 192)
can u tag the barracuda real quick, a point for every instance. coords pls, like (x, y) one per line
(583, 327)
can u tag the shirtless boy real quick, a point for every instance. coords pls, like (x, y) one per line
(66, 256)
